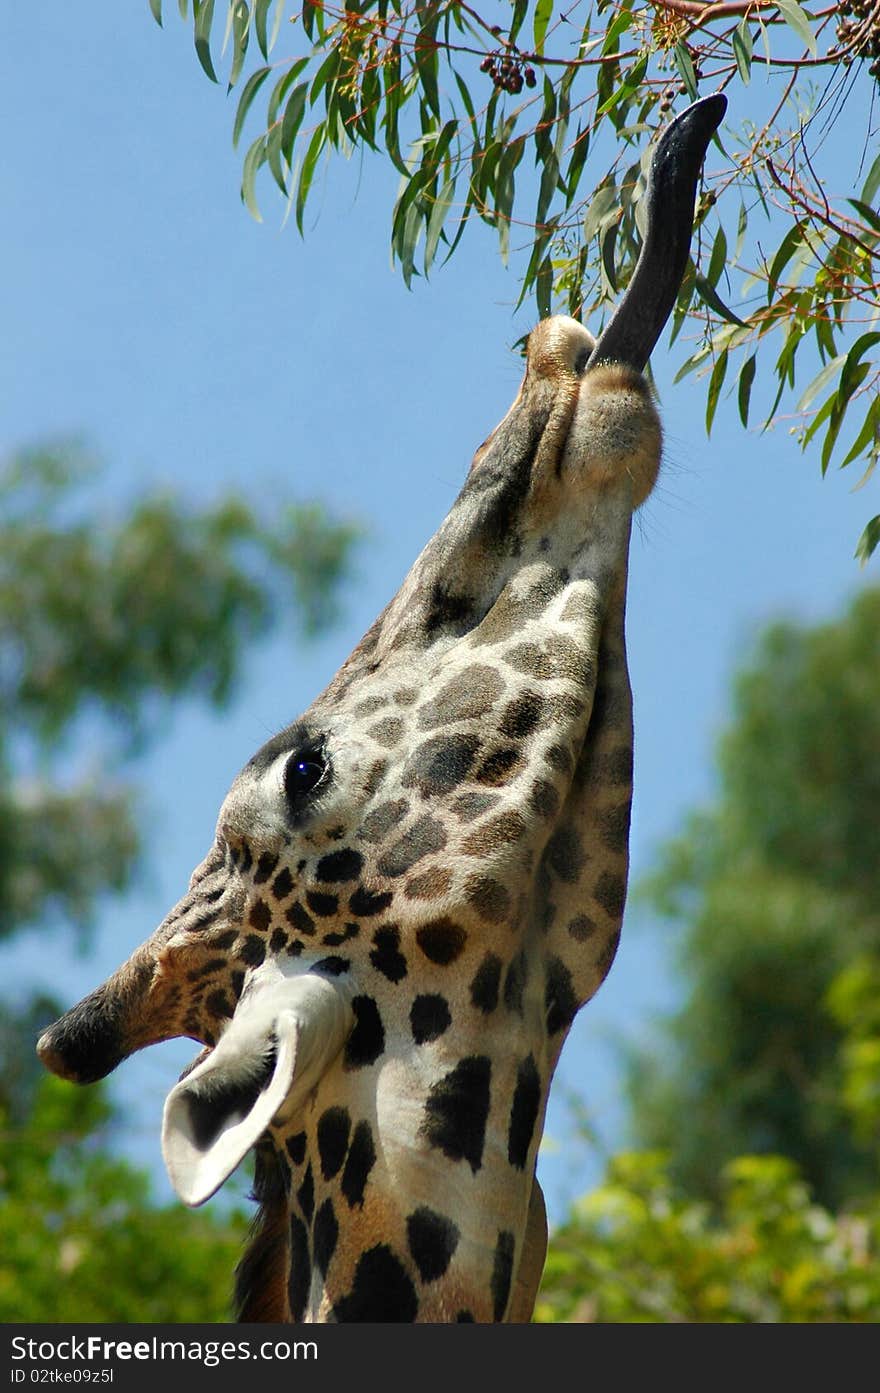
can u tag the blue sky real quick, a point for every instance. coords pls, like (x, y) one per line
(145, 311)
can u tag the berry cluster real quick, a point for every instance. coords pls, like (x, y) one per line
(507, 67)
(508, 72)
(858, 30)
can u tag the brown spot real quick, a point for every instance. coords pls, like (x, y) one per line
(405, 696)
(442, 941)
(565, 854)
(504, 620)
(429, 885)
(499, 831)
(606, 957)
(375, 776)
(470, 805)
(425, 836)
(499, 767)
(298, 919)
(260, 916)
(521, 716)
(440, 763)
(370, 705)
(379, 822)
(544, 799)
(559, 758)
(471, 693)
(558, 656)
(581, 928)
(614, 827)
(488, 897)
(610, 893)
(387, 732)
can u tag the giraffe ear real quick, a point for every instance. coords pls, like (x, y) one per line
(285, 1033)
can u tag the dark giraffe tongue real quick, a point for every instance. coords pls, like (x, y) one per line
(672, 185)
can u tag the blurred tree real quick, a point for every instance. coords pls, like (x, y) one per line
(79, 1238)
(774, 894)
(636, 1249)
(102, 621)
(534, 117)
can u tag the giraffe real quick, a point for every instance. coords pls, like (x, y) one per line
(415, 886)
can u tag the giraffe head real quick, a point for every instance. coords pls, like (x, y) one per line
(414, 887)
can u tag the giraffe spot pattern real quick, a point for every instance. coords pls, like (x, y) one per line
(432, 884)
(470, 694)
(429, 1018)
(265, 866)
(469, 806)
(424, 837)
(367, 1039)
(565, 855)
(340, 865)
(432, 1240)
(306, 1194)
(560, 1002)
(366, 903)
(610, 893)
(456, 1111)
(499, 767)
(296, 1148)
(300, 1279)
(523, 1112)
(298, 919)
(440, 764)
(358, 1163)
(386, 956)
(581, 928)
(334, 1127)
(325, 1236)
(497, 832)
(486, 983)
(502, 1272)
(324, 906)
(377, 824)
(489, 898)
(260, 915)
(387, 732)
(252, 950)
(514, 983)
(381, 1291)
(441, 941)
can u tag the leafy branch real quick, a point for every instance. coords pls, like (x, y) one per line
(534, 117)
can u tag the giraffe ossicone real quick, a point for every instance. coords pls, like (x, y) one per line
(414, 888)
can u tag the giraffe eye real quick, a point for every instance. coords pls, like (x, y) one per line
(303, 772)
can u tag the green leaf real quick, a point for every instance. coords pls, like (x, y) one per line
(868, 435)
(619, 25)
(710, 295)
(820, 381)
(872, 183)
(441, 207)
(605, 202)
(543, 12)
(241, 23)
(744, 392)
(261, 24)
(865, 211)
(742, 50)
(203, 14)
(685, 69)
(281, 89)
(307, 173)
(606, 250)
(255, 157)
(245, 101)
(156, 11)
(797, 19)
(293, 115)
(853, 361)
(787, 247)
(868, 541)
(716, 381)
(718, 259)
